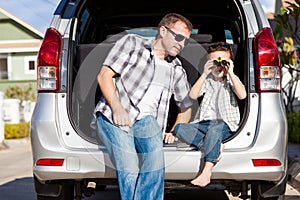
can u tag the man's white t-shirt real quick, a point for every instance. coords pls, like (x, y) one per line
(150, 102)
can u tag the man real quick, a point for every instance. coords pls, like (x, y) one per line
(137, 80)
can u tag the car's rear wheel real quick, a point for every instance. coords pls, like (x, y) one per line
(67, 193)
(256, 194)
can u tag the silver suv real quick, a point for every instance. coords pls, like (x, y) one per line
(67, 152)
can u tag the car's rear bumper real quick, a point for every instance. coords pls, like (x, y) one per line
(180, 164)
(52, 136)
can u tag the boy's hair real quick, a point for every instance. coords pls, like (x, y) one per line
(220, 46)
(170, 19)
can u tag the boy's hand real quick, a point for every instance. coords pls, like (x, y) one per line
(169, 138)
(208, 67)
(230, 67)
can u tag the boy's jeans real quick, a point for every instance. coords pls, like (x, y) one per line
(210, 133)
(138, 157)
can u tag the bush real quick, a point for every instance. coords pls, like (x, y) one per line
(22, 92)
(294, 127)
(13, 131)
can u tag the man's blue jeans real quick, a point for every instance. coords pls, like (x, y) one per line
(208, 133)
(138, 157)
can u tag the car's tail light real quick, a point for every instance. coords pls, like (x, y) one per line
(50, 162)
(266, 162)
(48, 62)
(268, 70)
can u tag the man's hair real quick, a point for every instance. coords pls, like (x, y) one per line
(170, 19)
(220, 46)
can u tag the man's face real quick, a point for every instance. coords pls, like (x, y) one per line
(175, 38)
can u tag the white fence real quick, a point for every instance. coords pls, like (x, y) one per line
(12, 111)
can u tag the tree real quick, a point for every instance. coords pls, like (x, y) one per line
(286, 33)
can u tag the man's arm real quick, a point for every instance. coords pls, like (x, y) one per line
(107, 86)
(183, 116)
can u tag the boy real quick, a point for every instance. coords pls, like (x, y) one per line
(218, 115)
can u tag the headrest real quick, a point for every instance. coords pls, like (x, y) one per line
(202, 38)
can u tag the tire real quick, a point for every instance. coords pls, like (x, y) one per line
(100, 187)
(255, 194)
(67, 193)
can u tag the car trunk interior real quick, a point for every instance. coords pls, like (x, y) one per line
(99, 22)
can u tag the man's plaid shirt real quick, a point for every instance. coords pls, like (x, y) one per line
(132, 59)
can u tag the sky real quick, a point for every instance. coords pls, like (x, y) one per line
(268, 5)
(39, 13)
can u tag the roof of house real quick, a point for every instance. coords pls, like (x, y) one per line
(17, 35)
(21, 22)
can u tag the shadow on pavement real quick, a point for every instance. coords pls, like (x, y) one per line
(21, 188)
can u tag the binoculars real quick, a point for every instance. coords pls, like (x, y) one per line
(220, 63)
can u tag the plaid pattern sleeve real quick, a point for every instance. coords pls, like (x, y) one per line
(181, 88)
(128, 58)
(119, 55)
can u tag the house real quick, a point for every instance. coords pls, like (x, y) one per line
(19, 46)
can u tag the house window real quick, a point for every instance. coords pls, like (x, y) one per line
(3, 67)
(30, 64)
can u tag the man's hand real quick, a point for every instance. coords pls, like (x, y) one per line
(121, 117)
(169, 138)
(107, 86)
